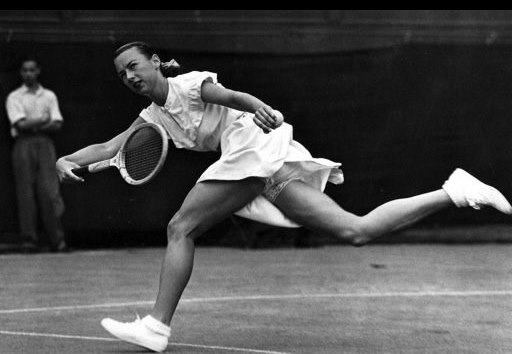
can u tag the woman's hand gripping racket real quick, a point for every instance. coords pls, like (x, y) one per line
(140, 157)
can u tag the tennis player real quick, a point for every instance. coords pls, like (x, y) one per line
(262, 174)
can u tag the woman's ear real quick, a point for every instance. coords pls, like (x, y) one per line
(155, 60)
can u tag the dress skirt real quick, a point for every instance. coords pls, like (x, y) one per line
(246, 151)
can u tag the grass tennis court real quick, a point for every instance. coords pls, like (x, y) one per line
(434, 298)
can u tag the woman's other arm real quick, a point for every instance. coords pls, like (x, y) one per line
(264, 116)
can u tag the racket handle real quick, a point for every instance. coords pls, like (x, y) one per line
(81, 171)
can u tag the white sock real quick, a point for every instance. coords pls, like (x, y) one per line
(157, 326)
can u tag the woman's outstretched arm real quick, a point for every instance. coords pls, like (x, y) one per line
(90, 154)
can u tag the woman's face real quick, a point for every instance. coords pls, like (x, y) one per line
(137, 72)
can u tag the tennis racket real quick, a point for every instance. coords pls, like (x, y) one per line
(140, 157)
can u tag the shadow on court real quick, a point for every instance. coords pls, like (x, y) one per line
(337, 299)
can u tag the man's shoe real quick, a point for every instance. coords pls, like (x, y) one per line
(465, 190)
(148, 333)
(62, 247)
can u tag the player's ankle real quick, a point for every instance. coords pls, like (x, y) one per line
(157, 325)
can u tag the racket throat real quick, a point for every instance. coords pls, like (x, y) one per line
(102, 165)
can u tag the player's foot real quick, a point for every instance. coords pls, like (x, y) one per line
(148, 333)
(465, 190)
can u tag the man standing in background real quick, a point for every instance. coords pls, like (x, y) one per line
(33, 113)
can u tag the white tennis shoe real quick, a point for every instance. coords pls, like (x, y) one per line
(148, 333)
(465, 190)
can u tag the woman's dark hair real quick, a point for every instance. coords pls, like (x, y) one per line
(146, 50)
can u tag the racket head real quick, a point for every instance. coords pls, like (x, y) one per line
(143, 153)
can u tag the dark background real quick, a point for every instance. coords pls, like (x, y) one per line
(400, 101)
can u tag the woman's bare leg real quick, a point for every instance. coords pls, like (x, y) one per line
(317, 211)
(206, 204)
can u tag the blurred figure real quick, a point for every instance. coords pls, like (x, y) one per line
(33, 113)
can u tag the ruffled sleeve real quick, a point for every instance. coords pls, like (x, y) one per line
(187, 88)
(184, 103)
(196, 80)
(147, 114)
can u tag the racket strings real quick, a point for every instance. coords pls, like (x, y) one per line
(142, 153)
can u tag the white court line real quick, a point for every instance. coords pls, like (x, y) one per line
(65, 336)
(76, 307)
(270, 297)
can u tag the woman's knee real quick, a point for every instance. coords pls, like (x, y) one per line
(356, 235)
(180, 228)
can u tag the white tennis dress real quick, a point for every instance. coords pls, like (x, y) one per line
(246, 151)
